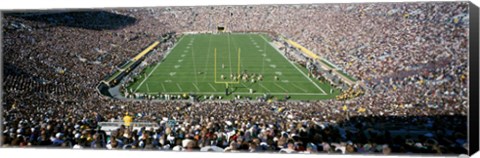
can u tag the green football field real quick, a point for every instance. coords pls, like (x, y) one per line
(198, 62)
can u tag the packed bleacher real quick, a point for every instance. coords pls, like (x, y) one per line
(411, 56)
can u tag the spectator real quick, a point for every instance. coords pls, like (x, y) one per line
(127, 119)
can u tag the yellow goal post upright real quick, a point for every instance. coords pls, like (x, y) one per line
(226, 82)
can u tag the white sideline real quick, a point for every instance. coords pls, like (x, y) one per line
(296, 67)
(148, 76)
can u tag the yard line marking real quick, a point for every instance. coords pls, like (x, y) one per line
(264, 56)
(163, 87)
(194, 66)
(280, 87)
(148, 89)
(179, 87)
(295, 85)
(148, 76)
(229, 54)
(261, 85)
(208, 55)
(244, 85)
(196, 87)
(297, 68)
(263, 62)
(238, 57)
(212, 87)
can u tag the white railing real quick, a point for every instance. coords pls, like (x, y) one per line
(108, 127)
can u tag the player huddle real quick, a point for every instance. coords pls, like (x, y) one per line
(245, 77)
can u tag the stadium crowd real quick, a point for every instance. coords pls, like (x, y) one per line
(411, 56)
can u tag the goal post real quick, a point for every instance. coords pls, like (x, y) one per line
(226, 82)
(215, 69)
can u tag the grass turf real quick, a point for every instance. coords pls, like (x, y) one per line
(190, 68)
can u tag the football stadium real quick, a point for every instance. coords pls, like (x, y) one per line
(206, 64)
(368, 78)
